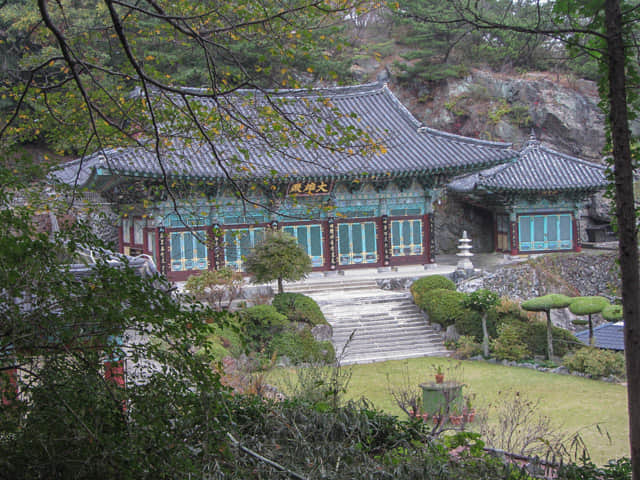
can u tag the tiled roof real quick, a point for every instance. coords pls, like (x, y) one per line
(408, 146)
(609, 335)
(536, 169)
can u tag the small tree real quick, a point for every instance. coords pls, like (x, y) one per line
(545, 304)
(278, 257)
(588, 306)
(482, 301)
(214, 287)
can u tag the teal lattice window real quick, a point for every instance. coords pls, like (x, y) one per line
(238, 244)
(310, 239)
(545, 232)
(357, 243)
(188, 252)
(406, 237)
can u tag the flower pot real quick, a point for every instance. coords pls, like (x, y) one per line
(455, 419)
(439, 377)
(425, 417)
(469, 415)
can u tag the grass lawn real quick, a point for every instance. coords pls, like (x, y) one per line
(574, 404)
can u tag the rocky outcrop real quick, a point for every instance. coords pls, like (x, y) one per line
(564, 113)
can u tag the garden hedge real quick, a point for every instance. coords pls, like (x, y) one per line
(425, 284)
(444, 306)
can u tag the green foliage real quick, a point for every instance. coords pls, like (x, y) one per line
(612, 313)
(444, 306)
(596, 362)
(619, 469)
(535, 337)
(425, 284)
(466, 347)
(509, 345)
(588, 305)
(260, 323)
(278, 257)
(547, 302)
(299, 308)
(300, 347)
(482, 300)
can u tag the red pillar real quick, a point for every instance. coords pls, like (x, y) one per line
(8, 386)
(114, 371)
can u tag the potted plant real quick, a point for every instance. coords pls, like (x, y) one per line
(439, 373)
(468, 412)
(455, 419)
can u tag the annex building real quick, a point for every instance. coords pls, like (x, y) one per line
(350, 173)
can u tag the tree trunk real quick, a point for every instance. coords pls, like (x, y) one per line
(626, 215)
(485, 337)
(592, 341)
(280, 286)
(549, 336)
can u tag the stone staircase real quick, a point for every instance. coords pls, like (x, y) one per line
(373, 325)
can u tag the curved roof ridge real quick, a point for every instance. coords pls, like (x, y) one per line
(571, 158)
(461, 138)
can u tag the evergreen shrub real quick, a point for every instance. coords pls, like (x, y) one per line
(509, 344)
(299, 308)
(261, 323)
(596, 362)
(425, 284)
(535, 337)
(444, 306)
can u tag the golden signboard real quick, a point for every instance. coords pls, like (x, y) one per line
(309, 188)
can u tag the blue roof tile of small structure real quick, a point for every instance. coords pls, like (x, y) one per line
(609, 335)
(410, 148)
(537, 169)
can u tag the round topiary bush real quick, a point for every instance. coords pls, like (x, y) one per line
(425, 284)
(299, 308)
(588, 305)
(444, 306)
(612, 313)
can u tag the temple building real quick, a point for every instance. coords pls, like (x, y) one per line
(355, 182)
(535, 200)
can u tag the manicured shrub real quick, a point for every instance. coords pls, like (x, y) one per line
(299, 308)
(300, 347)
(509, 344)
(425, 284)
(596, 362)
(612, 313)
(444, 306)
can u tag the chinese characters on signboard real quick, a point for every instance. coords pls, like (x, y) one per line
(309, 188)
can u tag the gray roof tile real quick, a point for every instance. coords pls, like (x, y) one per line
(609, 335)
(537, 168)
(410, 147)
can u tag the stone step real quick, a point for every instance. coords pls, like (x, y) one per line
(380, 328)
(383, 357)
